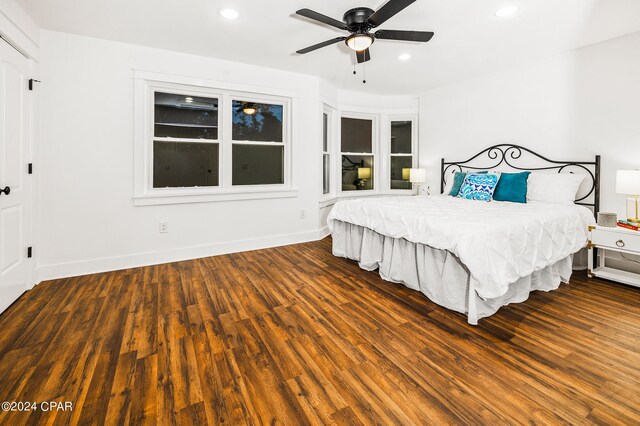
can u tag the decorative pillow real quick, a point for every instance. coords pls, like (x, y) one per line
(556, 188)
(479, 186)
(512, 187)
(458, 179)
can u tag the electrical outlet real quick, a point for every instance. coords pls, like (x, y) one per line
(164, 227)
(303, 214)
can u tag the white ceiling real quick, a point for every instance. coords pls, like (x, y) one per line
(470, 40)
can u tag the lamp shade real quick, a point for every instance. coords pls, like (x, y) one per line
(628, 182)
(418, 175)
(364, 173)
(406, 173)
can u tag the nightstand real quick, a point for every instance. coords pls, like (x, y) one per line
(614, 239)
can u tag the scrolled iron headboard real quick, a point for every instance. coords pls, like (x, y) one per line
(512, 156)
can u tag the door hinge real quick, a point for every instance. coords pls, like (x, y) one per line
(29, 252)
(30, 168)
(31, 81)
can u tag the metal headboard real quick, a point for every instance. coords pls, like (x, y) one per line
(512, 156)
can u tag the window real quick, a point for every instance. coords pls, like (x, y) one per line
(357, 154)
(197, 142)
(401, 154)
(185, 141)
(326, 157)
(258, 147)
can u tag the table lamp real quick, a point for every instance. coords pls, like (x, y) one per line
(628, 183)
(406, 173)
(364, 173)
(417, 177)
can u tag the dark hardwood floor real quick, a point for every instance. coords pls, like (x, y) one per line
(293, 335)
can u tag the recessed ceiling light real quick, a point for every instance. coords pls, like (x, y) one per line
(506, 11)
(230, 14)
(404, 57)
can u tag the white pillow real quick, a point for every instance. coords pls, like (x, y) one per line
(556, 188)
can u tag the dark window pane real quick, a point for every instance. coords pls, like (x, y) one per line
(356, 135)
(357, 172)
(326, 169)
(184, 164)
(257, 122)
(400, 172)
(183, 116)
(257, 164)
(325, 135)
(401, 137)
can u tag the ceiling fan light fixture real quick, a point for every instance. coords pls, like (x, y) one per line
(249, 110)
(359, 42)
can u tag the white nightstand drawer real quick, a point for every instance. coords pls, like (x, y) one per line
(616, 239)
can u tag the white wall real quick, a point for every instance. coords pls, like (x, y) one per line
(570, 106)
(87, 220)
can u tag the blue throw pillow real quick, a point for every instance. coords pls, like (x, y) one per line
(479, 186)
(458, 178)
(512, 187)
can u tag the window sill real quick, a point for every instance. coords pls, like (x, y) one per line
(208, 197)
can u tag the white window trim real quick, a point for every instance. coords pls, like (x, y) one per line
(414, 149)
(375, 133)
(331, 116)
(144, 194)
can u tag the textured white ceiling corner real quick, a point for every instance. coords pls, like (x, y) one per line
(470, 40)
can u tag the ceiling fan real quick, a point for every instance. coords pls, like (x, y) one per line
(359, 21)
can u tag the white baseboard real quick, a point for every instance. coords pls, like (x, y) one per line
(323, 232)
(93, 266)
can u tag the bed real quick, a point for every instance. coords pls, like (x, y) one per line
(471, 256)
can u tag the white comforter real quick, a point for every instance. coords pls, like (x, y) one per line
(499, 242)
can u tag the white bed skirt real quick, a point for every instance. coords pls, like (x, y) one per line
(437, 274)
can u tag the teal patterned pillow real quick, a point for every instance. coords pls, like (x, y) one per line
(477, 186)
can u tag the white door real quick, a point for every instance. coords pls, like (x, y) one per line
(15, 207)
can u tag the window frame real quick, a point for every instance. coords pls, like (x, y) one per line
(374, 118)
(153, 138)
(388, 154)
(258, 99)
(330, 112)
(145, 86)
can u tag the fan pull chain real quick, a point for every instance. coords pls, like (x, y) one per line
(364, 72)
(355, 61)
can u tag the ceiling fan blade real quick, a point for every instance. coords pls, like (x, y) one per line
(320, 45)
(363, 55)
(387, 11)
(308, 13)
(422, 36)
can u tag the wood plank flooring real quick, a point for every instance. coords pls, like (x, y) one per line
(293, 335)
